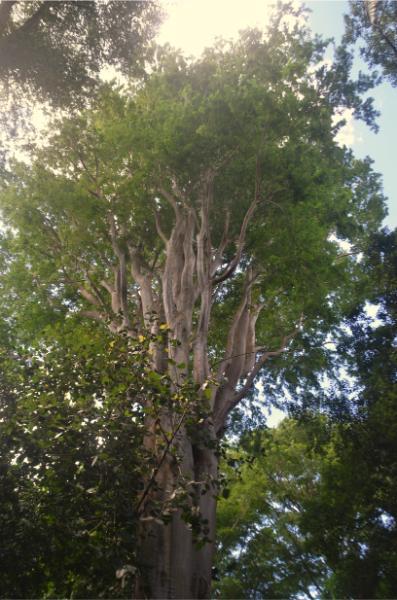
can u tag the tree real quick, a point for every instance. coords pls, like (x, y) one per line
(313, 508)
(375, 23)
(364, 475)
(52, 55)
(263, 549)
(71, 464)
(312, 514)
(195, 213)
(55, 50)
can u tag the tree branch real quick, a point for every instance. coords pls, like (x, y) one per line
(261, 361)
(170, 199)
(236, 328)
(225, 408)
(228, 272)
(217, 259)
(160, 232)
(93, 314)
(119, 297)
(231, 267)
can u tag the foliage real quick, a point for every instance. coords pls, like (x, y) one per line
(74, 471)
(315, 512)
(55, 53)
(255, 99)
(367, 470)
(374, 24)
(71, 467)
(55, 50)
(194, 220)
(263, 552)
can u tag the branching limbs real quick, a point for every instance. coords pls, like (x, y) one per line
(225, 240)
(243, 391)
(233, 264)
(226, 402)
(118, 291)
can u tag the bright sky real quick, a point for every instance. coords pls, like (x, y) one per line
(327, 19)
(193, 25)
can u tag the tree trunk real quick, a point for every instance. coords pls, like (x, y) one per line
(206, 464)
(178, 505)
(171, 564)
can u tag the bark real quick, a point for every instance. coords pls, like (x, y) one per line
(170, 564)
(180, 291)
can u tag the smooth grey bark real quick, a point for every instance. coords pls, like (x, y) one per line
(171, 566)
(180, 292)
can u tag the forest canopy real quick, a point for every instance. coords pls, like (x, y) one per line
(173, 262)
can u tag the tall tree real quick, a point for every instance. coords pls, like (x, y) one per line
(195, 212)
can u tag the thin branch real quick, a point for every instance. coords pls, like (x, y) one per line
(225, 358)
(89, 296)
(262, 349)
(346, 254)
(178, 192)
(228, 272)
(169, 442)
(108, 286)
(93, 314)
(222, 245)
(159, 229)
(170, 199)
(157, 254)
(90, 175)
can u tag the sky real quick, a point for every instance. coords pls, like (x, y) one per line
(192, 25)
(327, 19)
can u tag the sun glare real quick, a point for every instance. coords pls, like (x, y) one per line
(193, 25)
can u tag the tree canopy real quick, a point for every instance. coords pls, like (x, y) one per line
(197, 215)
(55, 50)
(54, 54)
(313, 510)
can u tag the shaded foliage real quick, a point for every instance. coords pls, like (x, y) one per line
(72, 464)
